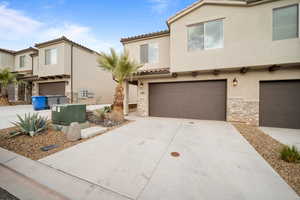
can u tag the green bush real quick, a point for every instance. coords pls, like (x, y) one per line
(290, 154)
(31, 124)
(101, 112)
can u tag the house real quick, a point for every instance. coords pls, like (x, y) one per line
(58, 67)
(223, 60)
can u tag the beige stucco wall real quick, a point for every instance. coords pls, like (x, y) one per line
(244, 95)
(28, 61)
(247, 39)
(35, 64)
(6, 60)
(163, 47)
(63, 61)
(87, 75)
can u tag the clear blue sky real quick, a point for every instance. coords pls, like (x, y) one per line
(98, 24)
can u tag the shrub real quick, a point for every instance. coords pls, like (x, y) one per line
(103, 111)
(290, 154)
(31, 124)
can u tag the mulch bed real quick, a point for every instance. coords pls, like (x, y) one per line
(30, 146)
(269, 149)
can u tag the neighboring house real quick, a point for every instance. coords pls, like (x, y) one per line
(223, 60)
(59, 67)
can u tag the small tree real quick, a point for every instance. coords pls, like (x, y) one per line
(6, 78)
(121, 67)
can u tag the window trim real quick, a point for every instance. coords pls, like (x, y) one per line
(204, 22)
(148, 44)
(49, 49)
(23, 62)
(298, 26)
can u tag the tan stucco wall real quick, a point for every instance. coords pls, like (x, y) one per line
(56, 69)
(87, 75)
(35, 65)
(163, 47)
(247, 89)
(247, 39)
(6, 60)
(28, 61)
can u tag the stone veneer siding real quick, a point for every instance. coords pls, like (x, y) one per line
(142, 100)
(240, 110)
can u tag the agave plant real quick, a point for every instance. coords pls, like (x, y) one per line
(31, 124)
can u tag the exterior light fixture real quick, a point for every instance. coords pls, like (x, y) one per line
(235, 82)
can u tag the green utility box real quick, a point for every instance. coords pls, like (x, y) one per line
(65, 114)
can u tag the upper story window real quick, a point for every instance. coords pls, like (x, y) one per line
(285, 22)
(208, 35)
(22, 61)
(50, 56)
(149, 53)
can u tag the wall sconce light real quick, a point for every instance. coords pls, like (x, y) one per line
(235, 82)
(141, 83)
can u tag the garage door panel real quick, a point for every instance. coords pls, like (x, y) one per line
(54, 88)
(280, 104)
(197, 100)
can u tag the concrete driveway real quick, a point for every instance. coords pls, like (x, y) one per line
(215, 162)
(8, 114)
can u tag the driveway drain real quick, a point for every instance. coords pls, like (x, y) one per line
(175, 154)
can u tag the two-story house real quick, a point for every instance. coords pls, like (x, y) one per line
(223, 60)
(58, 67)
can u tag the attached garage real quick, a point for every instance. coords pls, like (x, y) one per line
(196, 100)
(54, 88)
(280, 104)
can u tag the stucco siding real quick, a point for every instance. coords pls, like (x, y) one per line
(87, 75)
(56, 69)
(163, 55)
(6, 60)
(28, 62)
(247, 39)
(242, 100)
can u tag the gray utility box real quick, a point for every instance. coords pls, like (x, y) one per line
(56, 99)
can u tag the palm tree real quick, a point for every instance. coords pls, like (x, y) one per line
(121, 67)
(6, 78)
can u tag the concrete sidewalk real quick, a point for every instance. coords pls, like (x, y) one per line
(9, 114)
(28, 179)
(285, 136)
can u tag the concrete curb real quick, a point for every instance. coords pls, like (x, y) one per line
(60, 183)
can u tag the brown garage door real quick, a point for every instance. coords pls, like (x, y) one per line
(195, 100)
(280, 104)
(56, 88)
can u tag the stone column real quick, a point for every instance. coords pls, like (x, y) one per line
(16, 92)
(126, 98)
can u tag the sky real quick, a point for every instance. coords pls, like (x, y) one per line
(97, 24)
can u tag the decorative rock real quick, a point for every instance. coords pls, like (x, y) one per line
(90, 132)
(74, 132)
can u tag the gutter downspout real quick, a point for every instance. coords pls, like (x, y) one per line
(71, 73)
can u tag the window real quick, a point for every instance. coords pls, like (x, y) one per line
(149, 53)
(285, 22)
(50, 56)
(83, 93)
(22, 61)
(208, 35)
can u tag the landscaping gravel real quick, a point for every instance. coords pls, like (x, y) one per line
(30, 147)
(269, 149)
